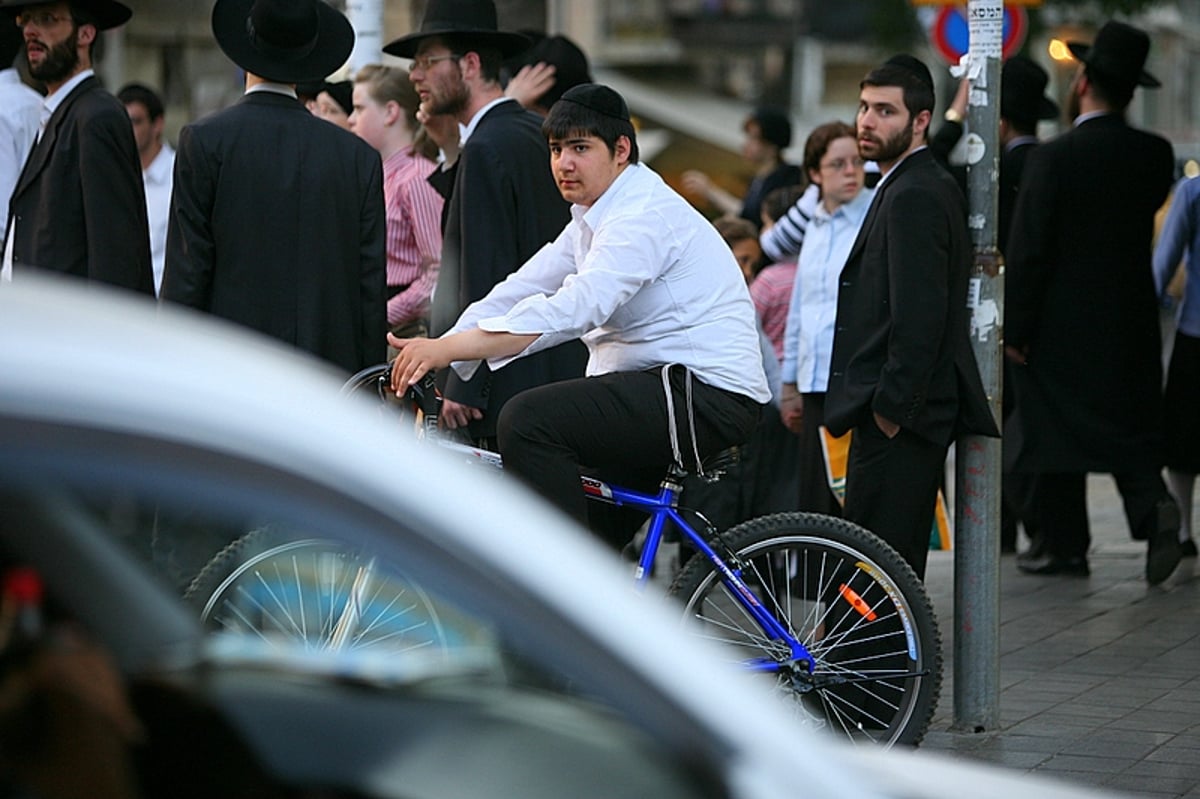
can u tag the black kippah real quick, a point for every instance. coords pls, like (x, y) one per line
(599, 98)
(914, 65)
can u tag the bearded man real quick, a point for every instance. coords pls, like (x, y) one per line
(902, 373)
(78, 206)
(504, 205)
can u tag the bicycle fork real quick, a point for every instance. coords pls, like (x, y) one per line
(772, 627)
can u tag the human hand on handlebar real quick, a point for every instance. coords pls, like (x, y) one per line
(417, 357)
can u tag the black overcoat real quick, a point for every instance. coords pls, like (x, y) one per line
(277, 223)
(1080, 298)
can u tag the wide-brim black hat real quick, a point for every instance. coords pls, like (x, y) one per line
(1022, 91)
(1118, 53)
(106, 13)
(473, 19)
(287, 41)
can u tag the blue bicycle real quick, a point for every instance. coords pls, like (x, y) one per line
(825, 610)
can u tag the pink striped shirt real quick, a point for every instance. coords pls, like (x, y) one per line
(414, 235)
(772, 293)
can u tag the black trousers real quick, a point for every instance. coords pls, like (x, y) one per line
(1060, 507)
(617, 427)
(814, 491)
(891, 489)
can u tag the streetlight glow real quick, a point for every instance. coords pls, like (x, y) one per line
(1059, 51)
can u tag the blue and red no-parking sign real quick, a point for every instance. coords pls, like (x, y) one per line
(951, 33)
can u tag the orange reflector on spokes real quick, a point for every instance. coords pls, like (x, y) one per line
(856, 602)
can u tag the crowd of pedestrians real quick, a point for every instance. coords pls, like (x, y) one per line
(485, 213)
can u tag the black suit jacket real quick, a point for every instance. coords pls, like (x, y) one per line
(504, 207)
(1080, 298)
(900, 347)
(277, 223)
(79, 204)
(1012, 168)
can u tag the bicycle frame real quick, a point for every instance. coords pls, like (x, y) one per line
(661, 508)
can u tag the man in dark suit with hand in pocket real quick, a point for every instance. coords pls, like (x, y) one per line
(902, 373)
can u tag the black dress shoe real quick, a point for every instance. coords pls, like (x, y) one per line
(1037, 551)
(1052, 564)
(1187, 549)
(1164, 552)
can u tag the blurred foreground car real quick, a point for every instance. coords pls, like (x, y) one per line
(149, 453)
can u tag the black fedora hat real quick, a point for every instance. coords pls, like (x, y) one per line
(1022, 91)
(474, 19)
(569, 62)
(1119, 54)
(106, 13)
(288, 41)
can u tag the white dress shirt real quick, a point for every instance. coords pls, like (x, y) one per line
(156, 179)
(20, 112)
(644, 280)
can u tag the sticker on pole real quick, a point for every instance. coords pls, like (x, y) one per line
(951, 32)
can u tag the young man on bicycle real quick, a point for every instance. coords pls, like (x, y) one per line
(674, 371)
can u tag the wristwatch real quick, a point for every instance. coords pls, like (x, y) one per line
(953, 116)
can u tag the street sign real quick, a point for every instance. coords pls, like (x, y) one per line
(950, 33)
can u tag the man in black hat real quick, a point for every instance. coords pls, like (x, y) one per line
(277, 217)
(1081, 315)
(902, 373)
(1022, 104)
(657, 296)
(504, 204)
(78, 206)
(547, 69)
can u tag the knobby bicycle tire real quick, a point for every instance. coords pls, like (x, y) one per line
(315, 593)
(854, 603)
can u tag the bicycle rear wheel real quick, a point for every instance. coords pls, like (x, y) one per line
(315, 593)
(854, 603)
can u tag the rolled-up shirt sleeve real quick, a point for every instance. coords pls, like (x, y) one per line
(570, 288)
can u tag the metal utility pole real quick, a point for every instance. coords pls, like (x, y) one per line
(978, 463)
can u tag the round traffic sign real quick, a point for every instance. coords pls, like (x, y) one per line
(951, 33)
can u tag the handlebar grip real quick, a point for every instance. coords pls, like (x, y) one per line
(424, 395)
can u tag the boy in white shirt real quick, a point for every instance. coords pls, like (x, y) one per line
(647, 283)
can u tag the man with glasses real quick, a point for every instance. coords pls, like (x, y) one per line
(78, 206)
(504, 204)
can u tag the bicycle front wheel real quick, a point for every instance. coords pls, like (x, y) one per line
(318, 594)
(854, 603)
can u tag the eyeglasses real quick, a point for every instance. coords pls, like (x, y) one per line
(838, 164)
(425, 62)
(40, 19)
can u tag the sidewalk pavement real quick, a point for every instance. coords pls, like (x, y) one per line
(1099, 676)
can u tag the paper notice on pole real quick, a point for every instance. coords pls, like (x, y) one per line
(985, 21)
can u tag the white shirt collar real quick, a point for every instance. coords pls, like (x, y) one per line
(160, 170)
(903, 158)
(593, 214)
(854, 210)
(273, 88)
(465, 131)
(1079, 120)
(55, 99)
